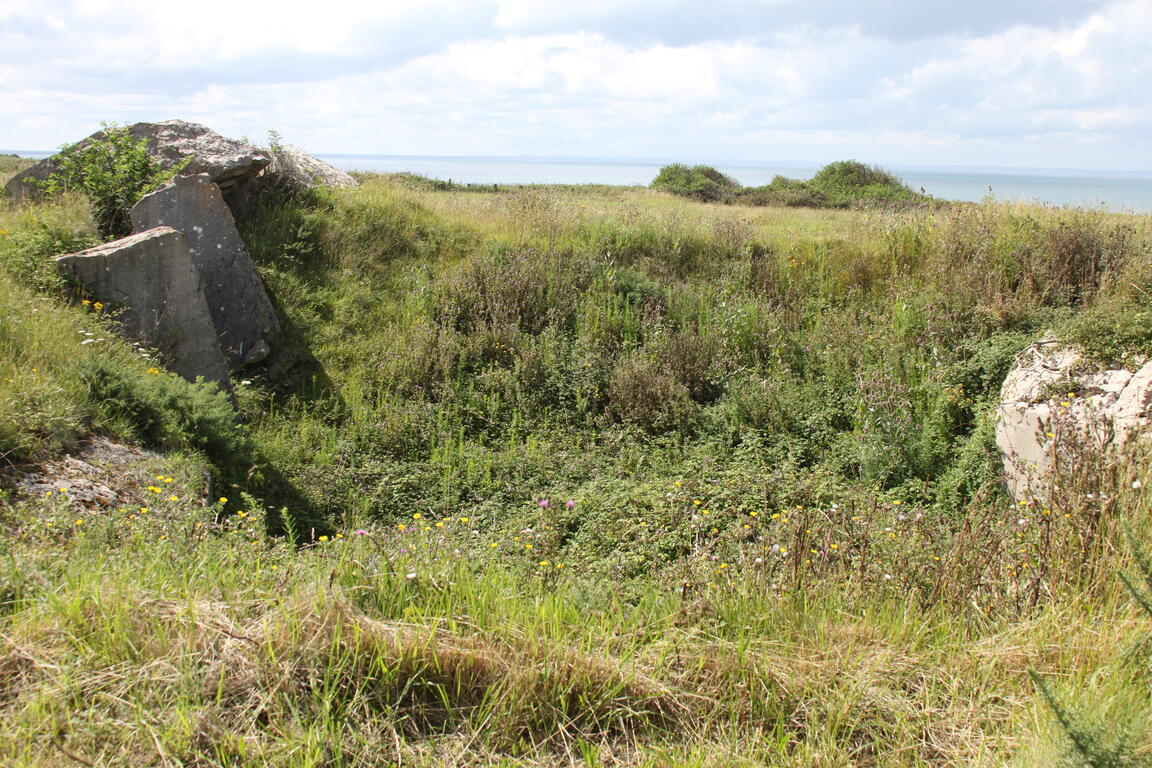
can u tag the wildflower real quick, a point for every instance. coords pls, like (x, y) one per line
(173, 498)
(570, 503)
(463, 519)
(323, 538)
(223, 499)
(543, 503)
(401, 527)
(697, 502)
(416, 516)
(96, 305)
(410, 576)
(79, 521)
(361, 532)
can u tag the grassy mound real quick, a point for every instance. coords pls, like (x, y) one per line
(843, 184)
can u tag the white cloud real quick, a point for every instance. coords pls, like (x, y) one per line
(766, 79)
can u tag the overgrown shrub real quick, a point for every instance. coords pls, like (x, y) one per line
(643, 393)
(114, 169)
(783, 191)
(166, 412)
(699, 182)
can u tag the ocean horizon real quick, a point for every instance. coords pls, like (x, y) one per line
(1121, 191)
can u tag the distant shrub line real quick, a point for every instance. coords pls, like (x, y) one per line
(843, 184)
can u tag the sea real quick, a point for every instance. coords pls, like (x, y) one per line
(1121, 191)
(1125, 191)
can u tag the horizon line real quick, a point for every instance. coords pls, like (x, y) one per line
(626, 160)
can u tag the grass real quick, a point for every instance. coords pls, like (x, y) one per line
(785, 543)
(135, 638)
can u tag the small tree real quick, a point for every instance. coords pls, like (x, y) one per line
(115, 170)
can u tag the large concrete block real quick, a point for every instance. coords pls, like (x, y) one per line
(1055, 403)
(245, 319)
(151, 278)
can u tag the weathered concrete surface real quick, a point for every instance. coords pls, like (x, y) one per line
(294, 168)
(151, 276)
(228, 162)
(245, 320)
(292, 172)
(1055, 402)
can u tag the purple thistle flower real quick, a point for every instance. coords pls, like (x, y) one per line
(571, 503)
(543, 503)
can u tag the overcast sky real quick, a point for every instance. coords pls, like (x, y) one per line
(1049, 83)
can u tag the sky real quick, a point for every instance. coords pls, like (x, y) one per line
(1015, 83)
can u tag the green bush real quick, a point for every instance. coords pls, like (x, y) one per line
(168, 413)
(842, 184)
(699, 182)
(848, 182)
(785, 192)
(114, 170)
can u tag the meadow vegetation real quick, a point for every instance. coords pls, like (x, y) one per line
(580, 476)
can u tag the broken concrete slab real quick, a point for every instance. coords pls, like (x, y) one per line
(151, 278)
(246, 322)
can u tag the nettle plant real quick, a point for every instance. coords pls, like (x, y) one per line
(115, 170)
